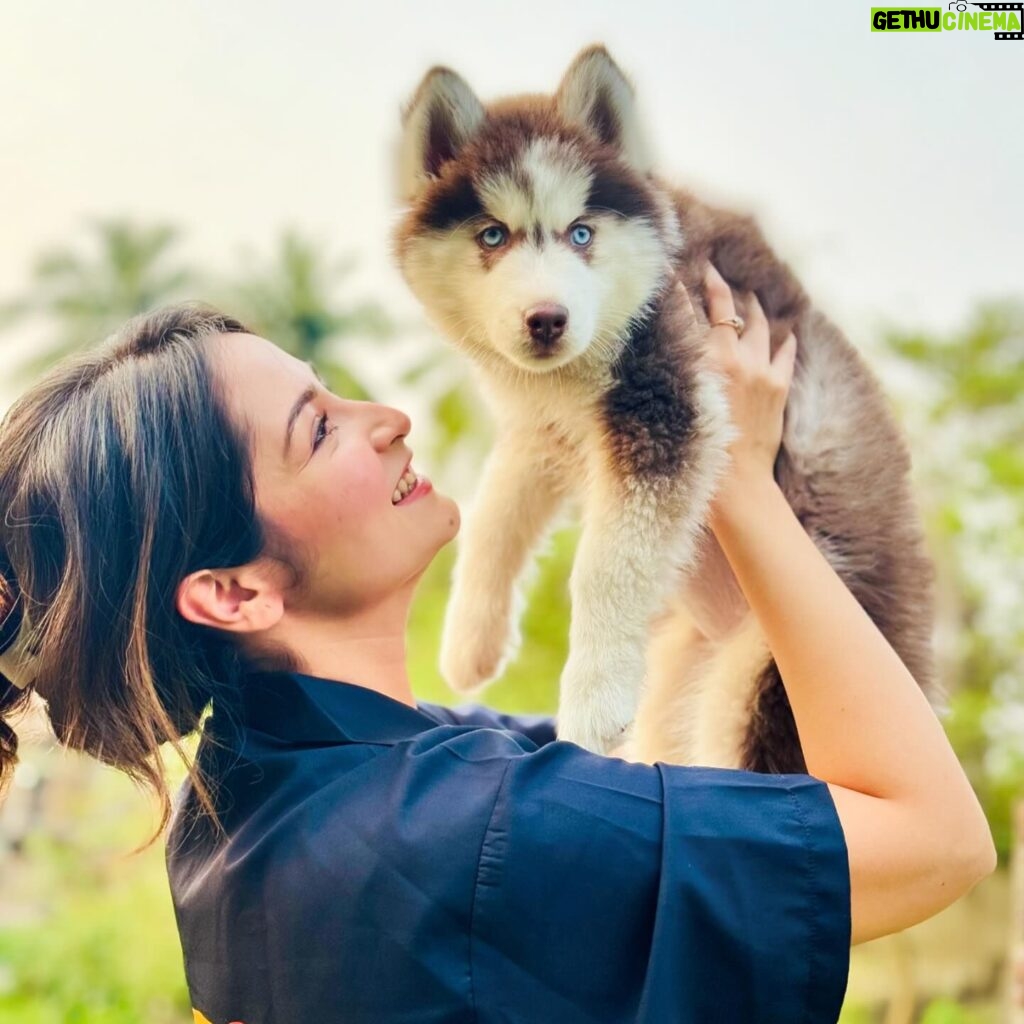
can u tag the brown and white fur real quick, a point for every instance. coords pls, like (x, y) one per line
(602, 395)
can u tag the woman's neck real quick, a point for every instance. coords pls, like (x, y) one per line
(367, 649)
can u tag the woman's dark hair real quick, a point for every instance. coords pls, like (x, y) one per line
(121, 472)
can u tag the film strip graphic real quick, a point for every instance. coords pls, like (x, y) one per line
(1018, 7)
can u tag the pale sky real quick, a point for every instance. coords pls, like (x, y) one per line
(888, 169)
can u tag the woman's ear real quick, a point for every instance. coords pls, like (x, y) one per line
(245, 599)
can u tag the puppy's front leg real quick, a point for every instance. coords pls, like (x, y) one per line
(516, 499)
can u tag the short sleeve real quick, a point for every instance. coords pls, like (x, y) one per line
(539, 729)
(610, 891)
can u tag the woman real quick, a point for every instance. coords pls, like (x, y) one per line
(190, 516)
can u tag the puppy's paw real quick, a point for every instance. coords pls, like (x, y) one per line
(475, 646)
(601, 734)
(593, 714)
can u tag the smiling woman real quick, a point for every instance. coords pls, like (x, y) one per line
(193, 522)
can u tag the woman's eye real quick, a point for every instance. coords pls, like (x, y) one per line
(321, 431)
(492, 237)
(581, 235)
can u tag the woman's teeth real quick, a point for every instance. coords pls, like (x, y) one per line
(405, 485)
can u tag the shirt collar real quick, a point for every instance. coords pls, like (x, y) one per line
(300, 708)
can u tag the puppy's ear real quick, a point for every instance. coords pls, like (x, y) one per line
(441, 118)
(596, 95)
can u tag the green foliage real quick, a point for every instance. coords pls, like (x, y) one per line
(945, 1011)
(88, 933)
(978, 369)
(456, 417)
(108, 953)
(969, 458)
(856, 1015)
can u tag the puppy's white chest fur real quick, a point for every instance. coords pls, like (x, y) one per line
(555, 417)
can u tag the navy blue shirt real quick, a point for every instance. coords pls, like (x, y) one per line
(389, 865)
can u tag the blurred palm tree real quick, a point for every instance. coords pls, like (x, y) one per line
(293, 300)
(126, 269)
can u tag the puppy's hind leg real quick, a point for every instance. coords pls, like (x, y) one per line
(667, 720)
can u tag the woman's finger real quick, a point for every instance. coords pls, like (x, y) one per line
(682, 296)
(757, 334)
(755, 314)
(784, 362)
(720, 303)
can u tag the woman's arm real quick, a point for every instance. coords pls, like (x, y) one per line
(916, 835)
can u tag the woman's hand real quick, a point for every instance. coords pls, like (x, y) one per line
(756, 387)
(915, 834)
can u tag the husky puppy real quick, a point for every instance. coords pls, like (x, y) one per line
(539, 240)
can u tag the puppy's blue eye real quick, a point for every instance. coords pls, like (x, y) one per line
(581, 235)
(492, 237)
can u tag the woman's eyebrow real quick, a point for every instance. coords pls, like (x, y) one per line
(300, 403)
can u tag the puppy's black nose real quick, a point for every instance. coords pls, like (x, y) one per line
(546, 323)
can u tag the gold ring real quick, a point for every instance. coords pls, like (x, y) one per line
(735, 322)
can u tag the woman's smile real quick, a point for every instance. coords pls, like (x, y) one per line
(410, 488)
(406, 482)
